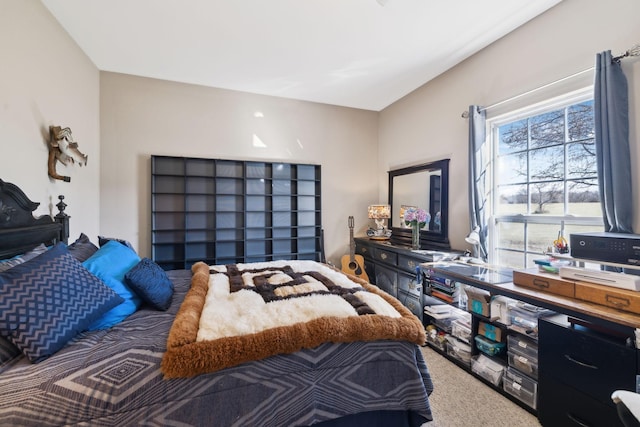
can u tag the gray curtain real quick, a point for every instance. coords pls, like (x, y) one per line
(611, 110)
(478, 179)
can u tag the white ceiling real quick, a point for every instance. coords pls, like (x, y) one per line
(354, 53)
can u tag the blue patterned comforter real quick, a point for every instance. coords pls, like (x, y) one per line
(112, 378)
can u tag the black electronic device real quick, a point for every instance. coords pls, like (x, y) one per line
(619, 248)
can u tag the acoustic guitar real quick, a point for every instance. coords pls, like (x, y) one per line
(352, 263)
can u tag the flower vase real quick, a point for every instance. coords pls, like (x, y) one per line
(415, 236)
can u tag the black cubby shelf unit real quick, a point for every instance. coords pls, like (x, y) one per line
(231, 211)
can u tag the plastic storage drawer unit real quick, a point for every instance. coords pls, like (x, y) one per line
(523, 355)
(523, 363)
(521, 387)
(522, 345)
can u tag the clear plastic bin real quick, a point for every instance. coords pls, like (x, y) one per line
(444, 324)
(521, 387)
(436, 338)
(523, 346)
(523, 363)
(459, 350)
(524, 318)
(461, 330)
(489, 369)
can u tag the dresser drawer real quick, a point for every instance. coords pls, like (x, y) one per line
(412, 302)
(587, 361)
(387, 280)
(408, 284)
(408, 264)
(365, 250)
(387, 257)
(563, 406)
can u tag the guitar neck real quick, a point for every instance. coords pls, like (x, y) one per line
(352, 243)
(352, 246)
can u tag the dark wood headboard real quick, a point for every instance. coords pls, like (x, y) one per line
(20, 231)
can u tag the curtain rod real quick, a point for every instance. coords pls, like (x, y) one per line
(465, 114)
(634, 51)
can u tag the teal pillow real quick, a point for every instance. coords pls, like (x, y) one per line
(110, 263)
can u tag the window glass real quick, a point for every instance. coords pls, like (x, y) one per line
(512, 200)
(544, 178)
(547, 129)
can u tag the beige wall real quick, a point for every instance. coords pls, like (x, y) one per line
(45, 79)
(427, 124)
(141, 117)
(121, 120)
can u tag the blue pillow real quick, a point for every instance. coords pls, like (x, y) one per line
(151, 283)
(47, 301)
(110, 263)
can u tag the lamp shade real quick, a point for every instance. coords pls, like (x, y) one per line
(379, 211)
(474, 237)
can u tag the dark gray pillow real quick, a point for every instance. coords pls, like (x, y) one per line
(82, 248)
(151, 283)
(104, 240)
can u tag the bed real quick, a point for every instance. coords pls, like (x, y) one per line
(116, 375)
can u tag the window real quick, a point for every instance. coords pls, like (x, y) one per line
(544, 178)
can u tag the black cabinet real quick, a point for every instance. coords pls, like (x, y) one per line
(579, 370)
(564, 406)
(227, 211)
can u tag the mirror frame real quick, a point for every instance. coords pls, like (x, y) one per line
(428, 239)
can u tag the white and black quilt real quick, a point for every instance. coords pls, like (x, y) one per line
(242, 312)
(113, 378)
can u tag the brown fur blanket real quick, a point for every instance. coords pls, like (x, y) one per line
(239, 313)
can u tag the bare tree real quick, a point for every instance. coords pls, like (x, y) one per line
(540, 145)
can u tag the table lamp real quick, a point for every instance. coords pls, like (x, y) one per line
(379, 213)
(474, 239)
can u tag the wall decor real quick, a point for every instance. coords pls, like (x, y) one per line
(63, 148)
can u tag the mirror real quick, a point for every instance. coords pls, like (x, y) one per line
(425, 186)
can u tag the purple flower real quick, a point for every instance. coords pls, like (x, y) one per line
(413, 216)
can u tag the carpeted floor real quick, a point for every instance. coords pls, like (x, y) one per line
(461, 400)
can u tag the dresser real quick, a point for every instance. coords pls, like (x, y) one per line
(396, 270)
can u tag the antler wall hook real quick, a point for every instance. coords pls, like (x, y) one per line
(62, 147)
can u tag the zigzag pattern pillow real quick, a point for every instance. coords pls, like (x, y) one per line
(47, 301)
